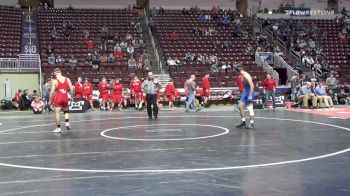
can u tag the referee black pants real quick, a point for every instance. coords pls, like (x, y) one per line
(152, 100)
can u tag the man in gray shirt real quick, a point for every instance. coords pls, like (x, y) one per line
(149, 89)
(190, 91)
(305, 94)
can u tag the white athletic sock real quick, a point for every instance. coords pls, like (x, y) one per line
(251, 121)
(243, 119)
(67, 124)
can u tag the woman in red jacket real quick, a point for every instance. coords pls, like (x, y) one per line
(79, 88)
(87, 92)
(117, 90)
(169, 92)
(103, 88)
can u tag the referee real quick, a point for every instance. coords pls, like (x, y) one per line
(149, 89)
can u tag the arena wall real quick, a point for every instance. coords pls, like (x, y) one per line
(205, 4)
(94, 3)
(19, 81)
(8, 2)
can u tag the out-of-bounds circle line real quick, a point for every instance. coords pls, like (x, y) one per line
(185, 169)
(103, 133)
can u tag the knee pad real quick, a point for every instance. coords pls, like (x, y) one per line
(250, 110)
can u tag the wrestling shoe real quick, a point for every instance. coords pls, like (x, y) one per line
(57, 130)
(243, 124)
(67, 126)
(251, 126)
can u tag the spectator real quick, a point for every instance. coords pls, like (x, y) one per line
(189, 56)
(59, 60)
(123, 45)
(52, 59)
(103, 45)
(118, 53)
(341, 37)
(96, 60)
(73, 62)
(161, 10)
(90, 45)
(128, 37)
(201, 18)
(104, 58)
(305, 95)
(331, 82)
(308, 61)
(312, 44)
(54, 34)
(111, 58)
(321, 94)
(269, 86)
(153, 12)
(66, 33)
(86, 34)
(170, 62)
(104, 31)
(49, 49)
(88, 59)
(140, 63)
(173, 36)
(37, 105)
(185, 11)
(132, 63)
(130, 50)
(147, 63)
(214, 68)
(177, 61)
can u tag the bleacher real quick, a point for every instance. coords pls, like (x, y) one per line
(117, 20)
(334, 51)
(174, 21)
(10, 34)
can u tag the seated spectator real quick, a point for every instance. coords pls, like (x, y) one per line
(123, 45)
(37, 105)
(214, 68)
(153, 12)
(118, 53)
(312, 44)
(321, 94)
(161, 10)
(54, 34)
(88, 59)
(66, 33)
(130, 50)
(111, 58)
(305, 95)
(96, 57)
(308, 61)
(90, 45)
(170, 62)
(132, 63)
(189, 56)
(185, 11)
(147, 63)
(59, 60)
(70, 26)
(49, 49)
(86, 34)
(104, 58)
(128, 37)
(341, 37)
(201, 18)
(173, 36)
(140, 63)
(331, 82)
(177, 61)
(51, 59)
(73, 62)
(104, 31)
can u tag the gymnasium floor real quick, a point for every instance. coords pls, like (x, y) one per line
(114, 153)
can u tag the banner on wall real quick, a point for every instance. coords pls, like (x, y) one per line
(308, 12)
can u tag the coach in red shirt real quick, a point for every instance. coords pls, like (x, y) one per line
(269, 85)
(206, 88)
(79, 88)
